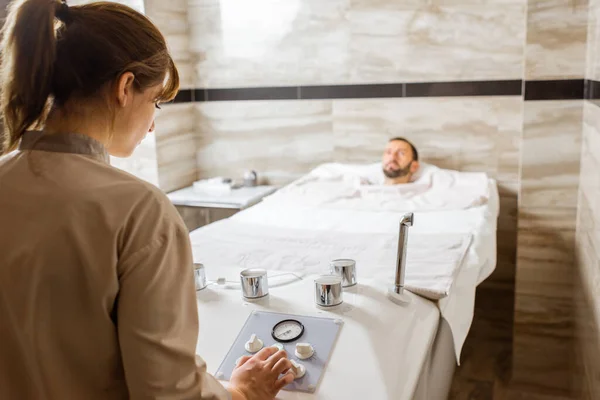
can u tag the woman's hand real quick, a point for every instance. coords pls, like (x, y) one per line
(257, 377)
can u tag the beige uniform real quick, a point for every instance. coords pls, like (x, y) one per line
(97, 298)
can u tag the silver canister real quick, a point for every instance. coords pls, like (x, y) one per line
(346, 269)
(254, 283)
(328, 290)
(199, 276)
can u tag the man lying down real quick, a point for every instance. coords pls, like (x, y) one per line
(400, 161)
(399, 182)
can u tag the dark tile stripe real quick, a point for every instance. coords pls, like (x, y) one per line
(352, 91)
(534, 90)
(554, 90)
(475, 88)
(200, 95)
(264, 93)
(184, 96)
(592, 90)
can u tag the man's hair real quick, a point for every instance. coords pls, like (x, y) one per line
(412, 146)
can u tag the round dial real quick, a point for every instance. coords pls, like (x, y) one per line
(287, 330)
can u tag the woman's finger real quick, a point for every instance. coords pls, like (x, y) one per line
(284, 380)
(242, 361)
(271, 361)
(266, 353)
(282, 366)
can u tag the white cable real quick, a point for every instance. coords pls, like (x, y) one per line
(286, 273)
(222, 281)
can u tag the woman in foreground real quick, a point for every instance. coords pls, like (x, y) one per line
(97, 298)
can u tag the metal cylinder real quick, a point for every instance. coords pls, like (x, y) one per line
(406, 221)
(328, 290)
(254, 283)
(199, 276)
(346, 269)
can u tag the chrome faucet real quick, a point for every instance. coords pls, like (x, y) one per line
(406, 221)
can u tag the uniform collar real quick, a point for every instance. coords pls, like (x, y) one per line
(73, 143)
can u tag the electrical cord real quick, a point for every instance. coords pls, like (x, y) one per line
(222, 281)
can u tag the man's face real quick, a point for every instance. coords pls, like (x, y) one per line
(397, 159)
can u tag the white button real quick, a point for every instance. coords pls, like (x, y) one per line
(304, 350)
(254, 344)
(278, 346)
(298, 369)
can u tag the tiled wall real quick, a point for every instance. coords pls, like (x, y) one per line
(587, 279)
(543, 332)
(587, 282)
(175, 123)
(307, 42)
(543, 341)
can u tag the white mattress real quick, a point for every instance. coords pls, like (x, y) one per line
(393, 343)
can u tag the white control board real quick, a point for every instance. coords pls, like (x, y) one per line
(308, 342)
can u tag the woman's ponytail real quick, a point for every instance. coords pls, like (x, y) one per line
(28, 52)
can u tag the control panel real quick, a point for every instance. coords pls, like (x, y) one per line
(308, 341)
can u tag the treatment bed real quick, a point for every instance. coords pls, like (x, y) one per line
(384, 350)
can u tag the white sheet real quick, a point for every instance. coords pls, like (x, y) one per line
(358, 187)
(433, 260)
(479, 263)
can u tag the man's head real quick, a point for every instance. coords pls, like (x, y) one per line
(400, 160)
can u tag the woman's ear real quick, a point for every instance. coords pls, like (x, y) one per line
(124, 89)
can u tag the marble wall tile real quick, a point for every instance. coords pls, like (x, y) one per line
(442, 42)
(468, 134)
(559, 219)
(171, 17)
(300, 42)
(556, 39)
(593, 34)
(176, 146)
(174, 119)
(280, 140)
(587, 298)
(177, 175)
(550, 153)
(542, 360)
(543, 341)
(590, 155)
(593, 29)
(545, 260)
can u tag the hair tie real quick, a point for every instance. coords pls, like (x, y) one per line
(63, 12)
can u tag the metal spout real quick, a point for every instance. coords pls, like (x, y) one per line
(406, 221)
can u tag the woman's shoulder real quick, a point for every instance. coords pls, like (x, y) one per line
(131, 194)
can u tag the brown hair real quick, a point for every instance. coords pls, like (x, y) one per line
(52, 52)
(412, 146)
